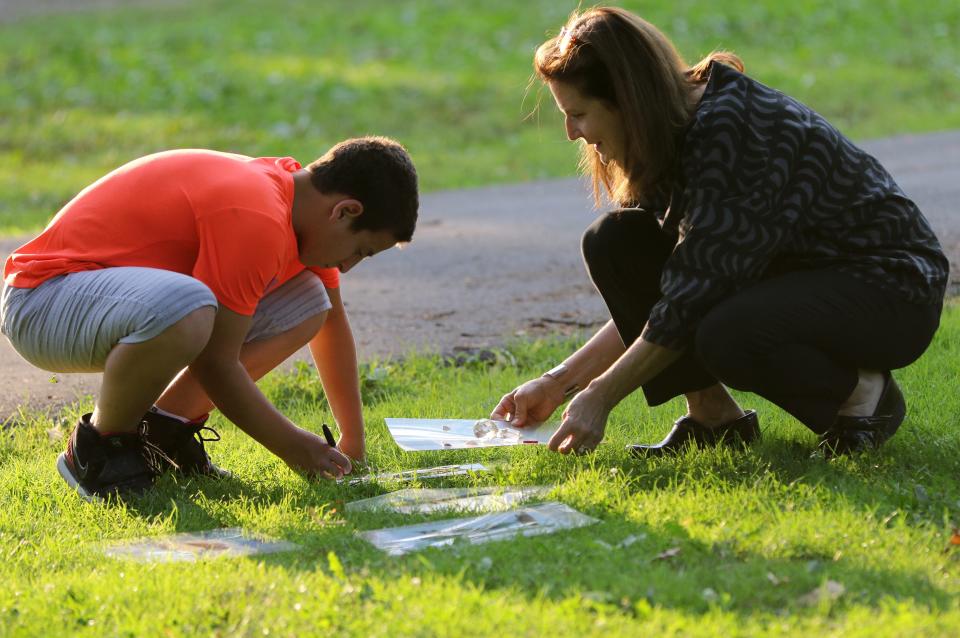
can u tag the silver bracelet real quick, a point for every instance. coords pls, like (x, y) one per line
(556, 373)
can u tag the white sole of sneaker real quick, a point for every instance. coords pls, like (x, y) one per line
(67, 476)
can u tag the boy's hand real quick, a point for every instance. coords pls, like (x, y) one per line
(354, 448)
(309, 454)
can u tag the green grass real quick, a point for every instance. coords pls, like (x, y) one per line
(86, 91)
(756, 529)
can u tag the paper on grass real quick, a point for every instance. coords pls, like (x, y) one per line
(544, 518)
(465, 499)
(406, 476)
(194, 546)
(458, 434)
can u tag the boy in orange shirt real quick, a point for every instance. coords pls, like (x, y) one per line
(184, 277)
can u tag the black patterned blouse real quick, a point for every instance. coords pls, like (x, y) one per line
(769, 186)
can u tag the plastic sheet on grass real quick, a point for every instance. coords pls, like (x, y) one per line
(463, 499)
(533, 520)
(441, 471)
(194, 546)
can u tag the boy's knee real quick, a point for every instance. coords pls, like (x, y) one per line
(300, 334)
(312, 324)
(192, 331)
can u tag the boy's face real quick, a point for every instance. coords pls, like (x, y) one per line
(343, 249)
(331, 243)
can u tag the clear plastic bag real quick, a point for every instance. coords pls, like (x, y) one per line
(194, 546)
(489, 431)
(464, 499)
(544, 518)
(406, 476)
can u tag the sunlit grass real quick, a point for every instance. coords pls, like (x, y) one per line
(720, 542)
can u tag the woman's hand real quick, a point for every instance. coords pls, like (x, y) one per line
(309, 454)
(531, 403)
(584, 422)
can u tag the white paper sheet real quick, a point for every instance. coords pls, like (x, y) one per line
(527, 521)
(463, 499)
(194, 546)
(458, 434)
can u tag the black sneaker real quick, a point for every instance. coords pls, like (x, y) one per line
(182, 444)
(100, 465)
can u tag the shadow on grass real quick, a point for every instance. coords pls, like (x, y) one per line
(619, 564)
(667, 568)
(671, 561)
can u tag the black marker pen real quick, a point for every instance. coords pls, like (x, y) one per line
(328, 435)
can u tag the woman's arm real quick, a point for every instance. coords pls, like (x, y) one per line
(534, 401)
(594, 358)
(638, 365)
(585, 419)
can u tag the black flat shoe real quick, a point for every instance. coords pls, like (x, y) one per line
(687, 431)
(853, 434)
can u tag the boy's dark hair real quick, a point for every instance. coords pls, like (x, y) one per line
(379, 173)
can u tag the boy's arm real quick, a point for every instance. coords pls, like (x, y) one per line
(335, 355)
(226, 382)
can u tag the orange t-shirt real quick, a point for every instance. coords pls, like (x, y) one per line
(221, 218)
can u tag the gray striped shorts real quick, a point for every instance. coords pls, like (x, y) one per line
(72, 322)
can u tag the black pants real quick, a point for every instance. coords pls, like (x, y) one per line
(796, 338)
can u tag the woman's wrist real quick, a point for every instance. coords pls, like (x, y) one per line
(600, 390)
(562, 378)
(552, 387)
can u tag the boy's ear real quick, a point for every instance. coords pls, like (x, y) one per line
(346, 208)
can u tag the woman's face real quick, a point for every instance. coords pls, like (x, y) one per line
(592, 120)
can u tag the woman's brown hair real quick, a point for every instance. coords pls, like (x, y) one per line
(610, 54)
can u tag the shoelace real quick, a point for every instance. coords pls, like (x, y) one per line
(152, 454)
(197, 433)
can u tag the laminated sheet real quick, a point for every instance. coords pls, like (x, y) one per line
(462, 499)
(462, 434)
(194, 546)
(544, 518)
(420, 473)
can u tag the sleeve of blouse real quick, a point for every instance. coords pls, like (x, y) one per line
(735, 221)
